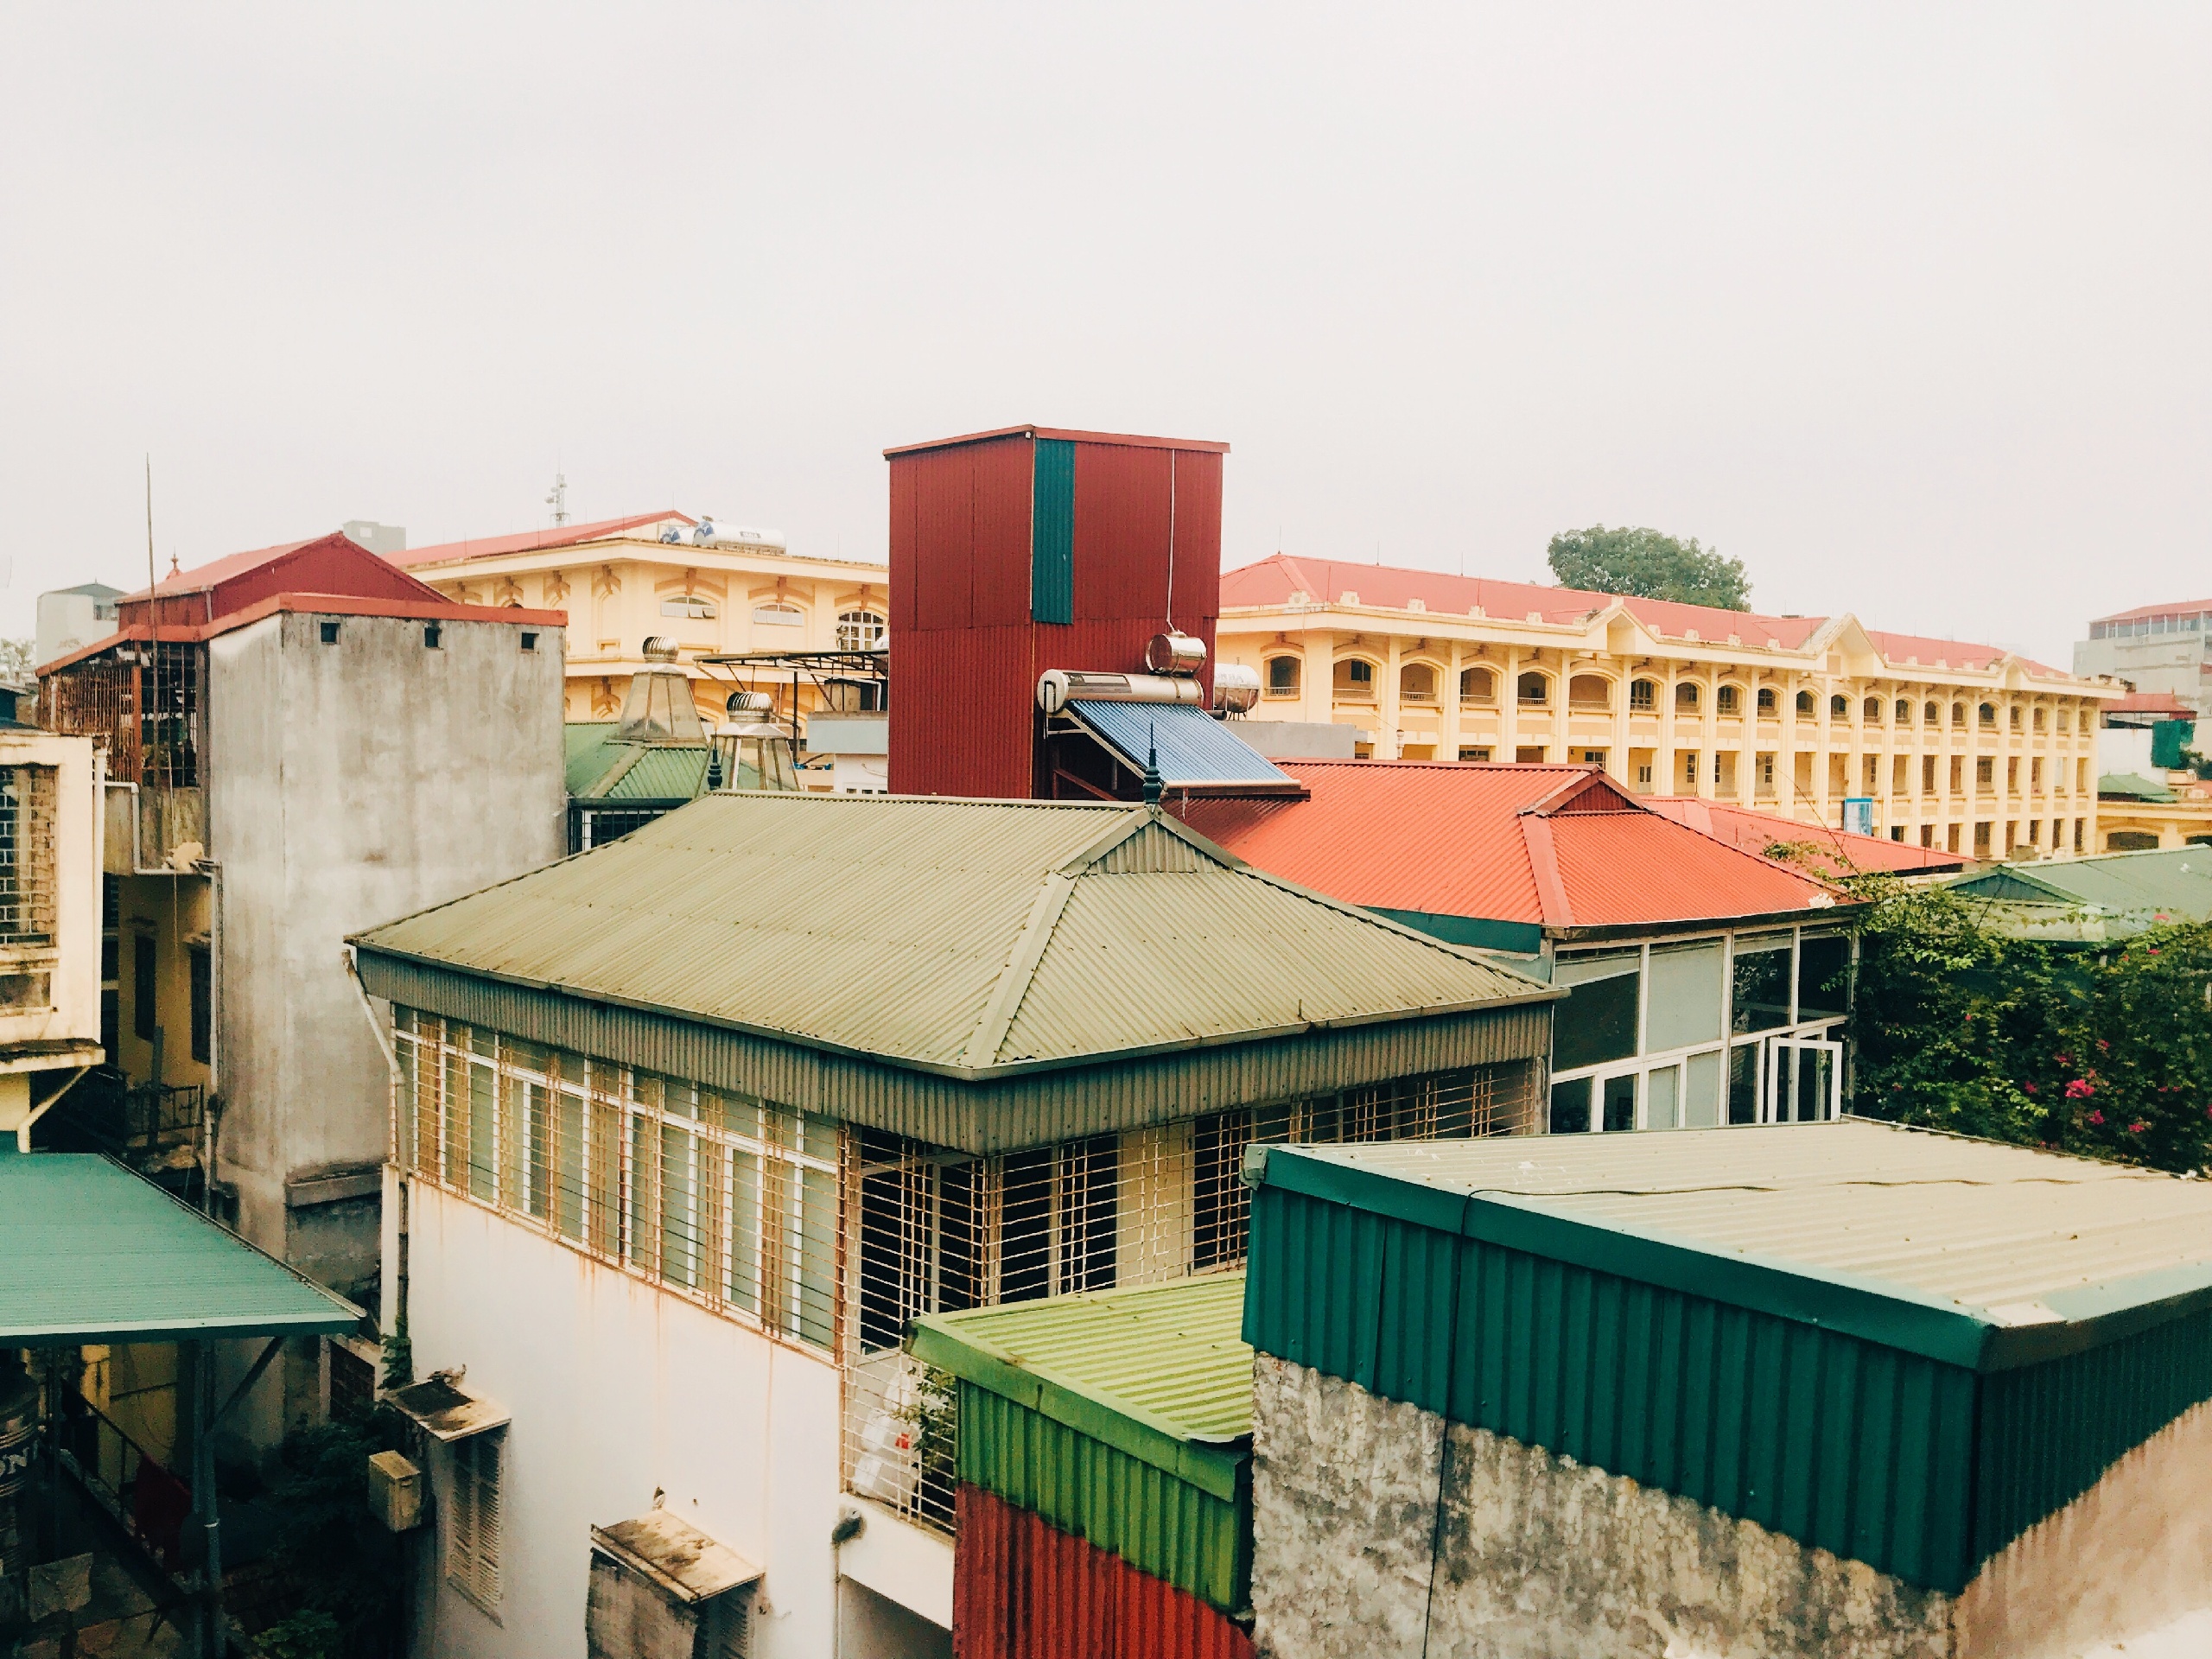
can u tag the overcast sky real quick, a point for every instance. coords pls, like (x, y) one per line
(1907, 306)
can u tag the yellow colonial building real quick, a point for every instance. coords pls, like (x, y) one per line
(712, 589)
(1950, 744)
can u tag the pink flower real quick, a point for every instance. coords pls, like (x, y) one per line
(2097, 1117)
(2138, 1126)
(2028, 1088)
(2102, 1045)
(2080, 1088)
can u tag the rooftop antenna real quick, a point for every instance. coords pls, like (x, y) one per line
(559, 499)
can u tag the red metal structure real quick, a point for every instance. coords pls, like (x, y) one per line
(324, 565)
(1023, 1589)
(1028, 549)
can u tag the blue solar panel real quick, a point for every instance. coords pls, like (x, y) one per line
(1196, 750)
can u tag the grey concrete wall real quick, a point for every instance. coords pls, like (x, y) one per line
(1536, 1557)
(2158, 662)
(349, 783)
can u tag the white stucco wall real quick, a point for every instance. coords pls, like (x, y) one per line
(616, 1387)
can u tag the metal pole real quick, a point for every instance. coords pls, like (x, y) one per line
(205, 1508)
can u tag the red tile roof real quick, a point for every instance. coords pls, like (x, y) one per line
(532, 541)
(1558, 846)
(1842, 854)
(1273, 580)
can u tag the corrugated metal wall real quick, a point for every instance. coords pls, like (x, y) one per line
(1038, 1109)
(1024, 1590)
(1829, 1439)
(966, 652)
(1195, 1539)
(2048, 1432)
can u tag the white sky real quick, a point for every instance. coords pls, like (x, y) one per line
(1905, 306)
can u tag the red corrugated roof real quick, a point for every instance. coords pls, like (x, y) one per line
(1273, 580)
(217, 571)
(2149, 702)
(1843, 853)
(532, 541)
(2183, 607)
(1560, 846)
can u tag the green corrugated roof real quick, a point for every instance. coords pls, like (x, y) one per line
(1123, 1417)
(1965, 1251)
(1151, 1366)
(90, 1252)
(585, 745)
(2134, 786)
(2174, 881)
(659, 773)
(976, 939)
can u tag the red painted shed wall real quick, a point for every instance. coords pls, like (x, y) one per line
(1024, 1590)
(966, 657)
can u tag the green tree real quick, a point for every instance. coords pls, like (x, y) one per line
(2105, 1052)
(1649, 564)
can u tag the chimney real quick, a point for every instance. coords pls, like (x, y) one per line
(1028, 549)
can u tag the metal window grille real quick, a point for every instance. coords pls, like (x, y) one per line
(145, 704)
(27, 856)
(731, 1201)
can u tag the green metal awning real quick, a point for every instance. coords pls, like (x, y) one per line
(90, 1252)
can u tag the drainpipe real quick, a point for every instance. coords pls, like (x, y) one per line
(210, 1105)
(399, 1354)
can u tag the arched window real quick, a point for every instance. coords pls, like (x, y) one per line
(1728, 700)
(1685, 695)
(1477, 685)
(695, 607)
(2015, 722)
(1643, 697)
(1769, 703)
(1417, 683)
(1536, 688)
(860, 631)
(1870, 710)
(1355, 678)
(1805, 704)
(777, 614)
(1959, 716)
(1590, 691)
(1903, 712)
(2065, 719)
(1839, 706)
(1989, 716)
(2040, 713)
(1283, 676)
(1931, 714)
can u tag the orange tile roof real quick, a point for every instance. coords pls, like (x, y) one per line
(531, 541)
(1558, 846)
(1842, 853)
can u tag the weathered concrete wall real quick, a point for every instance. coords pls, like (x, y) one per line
(1539, 1556)
(350, 783)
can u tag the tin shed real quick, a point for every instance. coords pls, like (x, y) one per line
(1835, 1388)
(1104, 1453)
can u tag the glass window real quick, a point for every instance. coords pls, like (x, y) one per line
(1282, 677)
(1685, 995)
(1643, 697)
(695, 607)
(860, 631)
(1805, 703)
(1729, 700)
(1620, 1104)
(1701, 1090)
(1761, 1001)
(1743, 1083)
(1685, 696)
(1662, 1106)
(1767, 701)
(1823, 970)
(1596, 1023)
(1355, 678)
(777, 616)
(1570, 1107)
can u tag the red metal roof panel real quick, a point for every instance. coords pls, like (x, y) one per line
(1844, 854)
(532, 541)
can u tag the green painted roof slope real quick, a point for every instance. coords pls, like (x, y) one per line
(1965, 1251)
(2133, 786)
(602, 766)
(2172, 881)
(90, 1252)
(975, 939)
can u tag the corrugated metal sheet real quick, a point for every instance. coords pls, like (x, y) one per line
(1784, 1323)
(91, 1253)
(902, 930)
(1833, 852)
(1028, 1110)
(981, 742)
(658, 773)
(1022, 1589)
(1453, 840)
(584, 752)
(2175, 882)
(1936, 1220)
(1195, 750)
(1051, 533)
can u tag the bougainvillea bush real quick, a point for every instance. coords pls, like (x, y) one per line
(2103, 1050)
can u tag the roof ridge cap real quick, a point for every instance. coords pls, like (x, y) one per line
(1011, 988)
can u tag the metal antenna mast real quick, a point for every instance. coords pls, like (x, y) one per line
(559, 499)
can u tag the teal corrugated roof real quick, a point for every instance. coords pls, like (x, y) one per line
(976, 938)
(2134, 786)
(585, 745)
(659, 773)
(2175, 882)
(90, 1252)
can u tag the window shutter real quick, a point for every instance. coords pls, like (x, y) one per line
(460, 1531)
(487, 1519)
